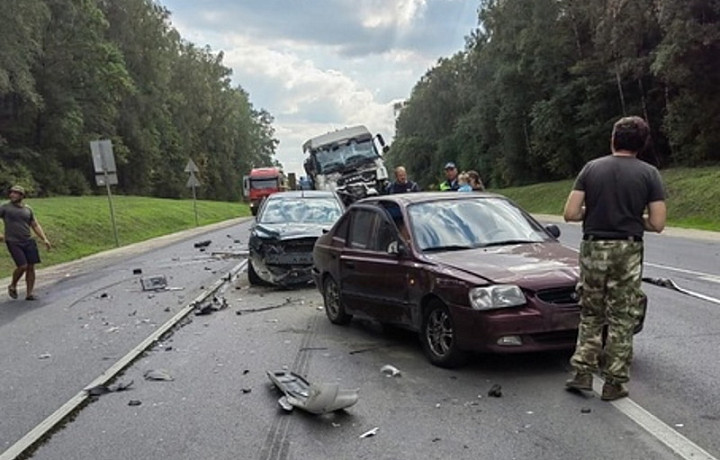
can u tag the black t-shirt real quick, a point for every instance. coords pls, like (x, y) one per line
(617, 192)
(397, 187)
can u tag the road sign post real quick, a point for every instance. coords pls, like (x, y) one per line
(193, 183)
(105, 174)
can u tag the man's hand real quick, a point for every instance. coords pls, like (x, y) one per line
(47, 244)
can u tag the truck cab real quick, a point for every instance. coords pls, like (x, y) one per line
(261, 183)
(347, 161)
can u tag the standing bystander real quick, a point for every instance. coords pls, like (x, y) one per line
(19, 219)
(610, 197)
(475, 181)
(402, 184)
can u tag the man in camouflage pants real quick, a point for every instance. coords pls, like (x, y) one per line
(610, 197)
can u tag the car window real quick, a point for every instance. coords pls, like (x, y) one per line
(306, 210)
(342, 228)
(465, 224)
(362, 229)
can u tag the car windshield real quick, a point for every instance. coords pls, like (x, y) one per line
(346, 155)
(453, 225)
(264, 183)
(306, 210)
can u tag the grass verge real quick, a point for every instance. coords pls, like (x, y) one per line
(80, 226)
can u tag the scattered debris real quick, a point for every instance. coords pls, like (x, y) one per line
(134, 402)
(246, 390)
(103, 295)
(202, 244)
(495, 391)
(246, 371)
(113, 329)
(216, 304)
(169, 348)
(285, 404)
(45, 356)
(287, 302)
(153, 283)
(134, 312)
(157, 374)
(314, 398)
(370, 433)
(137, 271)
(585, 410)
(390, 371)
(103, 389)
(436, 439)
(167, 309)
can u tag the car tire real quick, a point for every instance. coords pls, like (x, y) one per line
(253, 277)
(334, 307)
(438, 337)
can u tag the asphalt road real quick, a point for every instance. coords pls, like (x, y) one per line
(220, 404)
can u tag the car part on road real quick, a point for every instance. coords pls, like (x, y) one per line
(216, 304)
(334, 308)
(314, 398)
(370, 433)
(99, 390)
(154, 283)
(668, 283)
(438, 337)
(390, 371)
(202, 244)
(158, 375)
(495, 391)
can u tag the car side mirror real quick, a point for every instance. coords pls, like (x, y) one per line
(397, 248)
(553, 230)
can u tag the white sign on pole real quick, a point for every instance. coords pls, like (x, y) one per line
(191, 167)
(103, 158)
(100, 179)
(192, 181)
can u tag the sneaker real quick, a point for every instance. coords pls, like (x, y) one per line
(580, 382)
(613, 391)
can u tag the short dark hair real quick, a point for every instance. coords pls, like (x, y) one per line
(630, 133)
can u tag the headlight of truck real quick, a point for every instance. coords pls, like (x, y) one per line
(381, 173)
(498, 296)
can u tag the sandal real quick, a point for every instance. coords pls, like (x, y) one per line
(31, 297)
(12, 292)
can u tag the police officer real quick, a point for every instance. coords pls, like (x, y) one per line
(451, 174)
(610, 196)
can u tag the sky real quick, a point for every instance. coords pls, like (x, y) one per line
(321, 65)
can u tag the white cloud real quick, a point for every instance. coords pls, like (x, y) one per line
(318, 66)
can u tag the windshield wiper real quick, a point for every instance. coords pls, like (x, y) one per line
(508, 242)
(451, 247)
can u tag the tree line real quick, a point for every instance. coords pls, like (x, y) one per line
(535, 92)
(73, 71)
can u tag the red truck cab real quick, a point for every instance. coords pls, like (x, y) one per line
(261, 183)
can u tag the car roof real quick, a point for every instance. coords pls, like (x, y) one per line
(405, 199)
(303, 194)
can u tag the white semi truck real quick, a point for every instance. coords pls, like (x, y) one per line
(347, 161)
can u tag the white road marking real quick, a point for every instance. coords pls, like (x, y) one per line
(678, 443)
(708, 276)
(41, 430)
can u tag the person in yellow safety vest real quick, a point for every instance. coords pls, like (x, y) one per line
(451, 173)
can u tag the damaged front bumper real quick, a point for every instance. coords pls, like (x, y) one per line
(283, 263)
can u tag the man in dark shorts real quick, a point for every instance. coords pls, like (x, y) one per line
(19, 219)
(610, 196)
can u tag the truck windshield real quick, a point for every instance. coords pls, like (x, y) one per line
(345, 156)
(263, 183)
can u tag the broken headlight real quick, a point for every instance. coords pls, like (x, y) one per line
(497, 296)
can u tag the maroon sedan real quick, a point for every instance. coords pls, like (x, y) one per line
(468, 271)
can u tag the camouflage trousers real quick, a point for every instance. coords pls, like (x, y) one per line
(610, 293)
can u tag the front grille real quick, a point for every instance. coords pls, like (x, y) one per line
(302, 245)
(559, 296)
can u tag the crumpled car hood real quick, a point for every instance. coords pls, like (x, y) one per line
(287, 231)
(531, 266)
